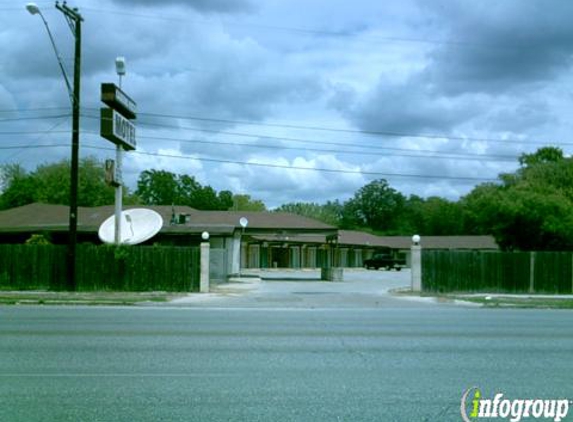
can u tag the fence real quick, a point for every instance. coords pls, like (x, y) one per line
(508, 272)
(138, 268)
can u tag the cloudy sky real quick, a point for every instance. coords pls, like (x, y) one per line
(300, 100)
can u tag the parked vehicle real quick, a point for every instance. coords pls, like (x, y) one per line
(385, 260)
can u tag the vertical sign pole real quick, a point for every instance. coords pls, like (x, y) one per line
(119, 187)
(118, 193)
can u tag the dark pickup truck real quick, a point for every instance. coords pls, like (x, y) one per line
(386, 261)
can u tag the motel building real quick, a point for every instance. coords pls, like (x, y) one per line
(238, 240)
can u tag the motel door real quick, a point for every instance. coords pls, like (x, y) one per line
(280, 257)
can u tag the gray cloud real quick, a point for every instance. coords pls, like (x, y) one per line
(205, 6)
(489, 73)
(519, 117)
(499, 47)
(408, 108)
(281, 185)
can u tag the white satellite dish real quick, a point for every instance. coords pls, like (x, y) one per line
(243, 222)
(137, 226)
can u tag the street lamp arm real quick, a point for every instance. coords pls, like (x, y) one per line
(68, 85)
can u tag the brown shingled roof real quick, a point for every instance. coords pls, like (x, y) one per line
(34, 217)
(349, 237)
(367, 240)
(260, 220)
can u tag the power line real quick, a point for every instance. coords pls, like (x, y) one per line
(17, 119)
(429, 153)
(436, 155)
(312, 31)
(9, 147)
(325, 170)
(287, 126)
(215, 160)
(265, 165)
(33, 132)
(136, 15)
(27, 110)
(375, 147)
(43, 134)
(433, 153)
(323, 129)
(271, 147)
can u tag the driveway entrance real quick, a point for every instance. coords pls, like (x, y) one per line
(303, 289)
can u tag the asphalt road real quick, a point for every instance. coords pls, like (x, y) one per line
(283, 363)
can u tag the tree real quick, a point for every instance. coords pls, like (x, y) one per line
(160, 187)
(17, 187)
(9, 173)
(480, 209)
(226, 200)
(522, 219)
(246, 203)
(204, 198)
(332, 212)
(410, 221)
(440, 217)
(531, 209)
(542, 155)
(432, 216)
(376, 206)
(329, 213)
(50, 184)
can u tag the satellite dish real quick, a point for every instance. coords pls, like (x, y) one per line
(137, 226)
(243, 222)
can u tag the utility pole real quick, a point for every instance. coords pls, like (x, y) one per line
(74, 20)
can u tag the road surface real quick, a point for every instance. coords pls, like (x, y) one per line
(360, 360)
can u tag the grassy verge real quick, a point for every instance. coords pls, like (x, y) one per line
(82, 298)
(518, 302)
(500, 301)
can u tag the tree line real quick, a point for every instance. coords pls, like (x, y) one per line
(529, 209)
(50, 184)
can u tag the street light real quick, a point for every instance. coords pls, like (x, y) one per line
(74, 20)
(33, 9)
